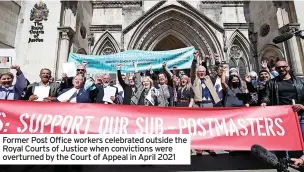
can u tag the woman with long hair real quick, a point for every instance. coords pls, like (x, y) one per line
(185, 95)
(235, 94)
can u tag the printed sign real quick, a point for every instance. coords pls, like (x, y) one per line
(39, 13)
(182, 58)
(210, 128)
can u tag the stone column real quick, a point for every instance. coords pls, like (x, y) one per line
(255, 61)
(300, 19)
(293, 48)
(65, 42)
(91, 41)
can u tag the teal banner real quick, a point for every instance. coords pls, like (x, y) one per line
(182, 58)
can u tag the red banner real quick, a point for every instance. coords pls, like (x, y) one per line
(276, 127)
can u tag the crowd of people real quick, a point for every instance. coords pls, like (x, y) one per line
(206, 86)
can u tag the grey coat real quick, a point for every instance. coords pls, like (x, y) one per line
(135, 98)
(54, 89)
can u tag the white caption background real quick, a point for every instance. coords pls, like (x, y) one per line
(38, 149)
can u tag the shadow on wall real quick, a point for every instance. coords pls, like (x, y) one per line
(199, 163)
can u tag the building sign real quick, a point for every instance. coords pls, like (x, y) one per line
(39, 13)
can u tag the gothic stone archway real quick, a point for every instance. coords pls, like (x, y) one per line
(271, 53)
(184, 24)
(106, 45)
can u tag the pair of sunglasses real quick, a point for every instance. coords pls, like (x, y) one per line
(279, 67)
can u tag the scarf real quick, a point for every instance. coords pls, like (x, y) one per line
(67, 95)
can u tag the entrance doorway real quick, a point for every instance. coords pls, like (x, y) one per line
(171, 42)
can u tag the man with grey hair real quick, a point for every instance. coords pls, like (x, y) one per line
(98, 79)
(99, 92)
(67, 82)
(205, 94)
(53, 87)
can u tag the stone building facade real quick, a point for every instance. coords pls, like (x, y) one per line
(241, 32)
(9, 12)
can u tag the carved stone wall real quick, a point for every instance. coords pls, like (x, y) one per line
(83, 22)
(189, 26)
(9, 12)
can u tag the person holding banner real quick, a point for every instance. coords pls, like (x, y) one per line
(205, 94)
(283, 90)
(99, 78)
(160, 82)
(215, 75)
(106, 93)
(185, 95)
(77, 94)
(128, 89)
(166, 91)
(298, 162)
(256, 88)
(67, 82)
(235, 95)
(172, 79)
(43, 90)
(8, 91)
(147, 95)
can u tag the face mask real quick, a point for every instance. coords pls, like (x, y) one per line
(274, 73)
(235, 84)
(254, 82)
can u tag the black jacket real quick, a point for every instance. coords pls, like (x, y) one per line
(68, 83)
(97, 94)
(271, 94)
(126, 88)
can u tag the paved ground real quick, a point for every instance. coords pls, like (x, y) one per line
(206, 163)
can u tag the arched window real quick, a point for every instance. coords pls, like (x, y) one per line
(237, 56)
(107, 48)
(232, 63)
(239, 51)
(106, 45)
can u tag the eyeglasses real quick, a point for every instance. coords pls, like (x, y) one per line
(80, 70)
(280, 67)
